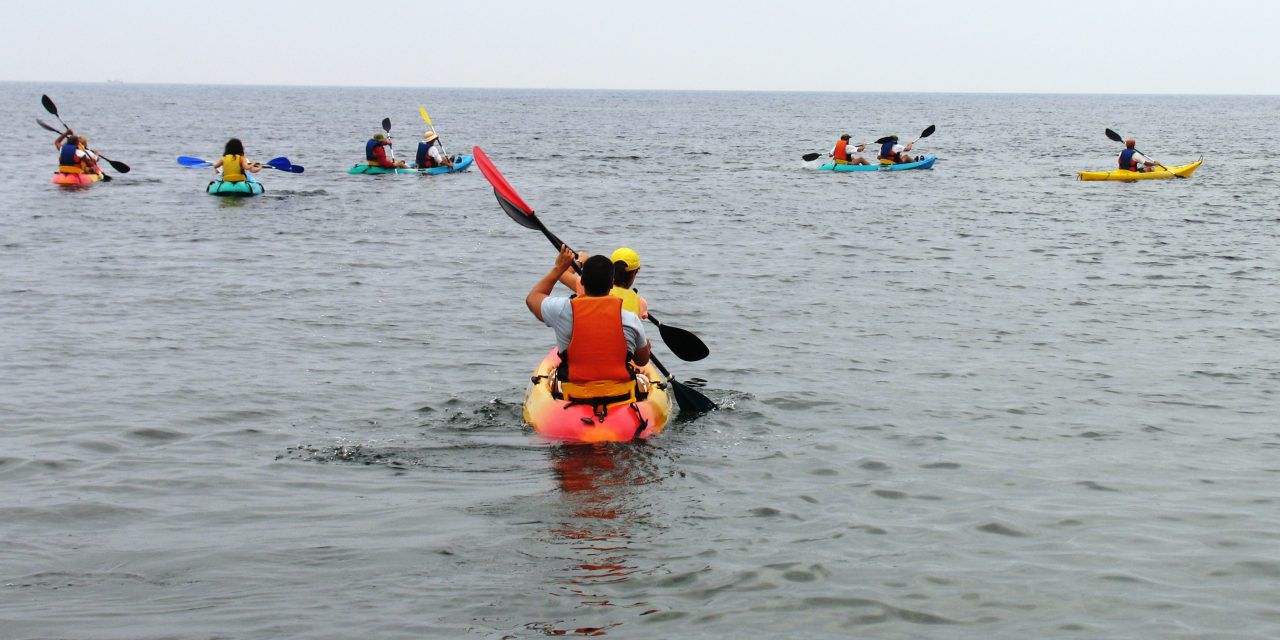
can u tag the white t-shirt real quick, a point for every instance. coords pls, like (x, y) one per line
(434, 152)
(557, 313)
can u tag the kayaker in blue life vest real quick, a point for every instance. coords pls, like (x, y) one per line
(1132, 160)
(893, 153)
(74, 155)
(376, 153)
(429, 153)
(841, 154)
(594, 334)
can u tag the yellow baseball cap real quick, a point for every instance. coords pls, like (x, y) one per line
(627, 255)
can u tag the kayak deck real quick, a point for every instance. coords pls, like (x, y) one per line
(242, 189)
(555, 419)
(1125, 175)
(925, 163)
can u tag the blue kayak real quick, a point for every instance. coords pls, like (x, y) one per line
(243, 189)
(460, 163)
(926, 163)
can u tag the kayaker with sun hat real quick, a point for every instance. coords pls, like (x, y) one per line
(429, 154)
(375, 153)
(893, 153)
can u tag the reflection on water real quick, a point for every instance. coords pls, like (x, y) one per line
(608, 515)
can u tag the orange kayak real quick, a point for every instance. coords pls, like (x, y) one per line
(559, 420)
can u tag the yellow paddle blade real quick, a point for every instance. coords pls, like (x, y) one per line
(423, 111)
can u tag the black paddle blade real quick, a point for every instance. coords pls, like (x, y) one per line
(928, 132)
(684, 344)
(48, 126)
(119, 166)
(521, 218)
(690, 400)
(386, 125)
(886, 139)
(1114, 136)
(810, 157)
(49, 105)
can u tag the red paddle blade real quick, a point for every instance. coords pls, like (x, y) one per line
(506, 193)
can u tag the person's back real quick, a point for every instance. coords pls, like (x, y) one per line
(69, 157)
(595, 335)
(233, 168)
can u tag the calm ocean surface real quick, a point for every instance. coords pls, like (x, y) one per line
(982, 401)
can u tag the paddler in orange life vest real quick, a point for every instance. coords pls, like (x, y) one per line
(842, 155)
(1132, 160)
(626, 266)
(233, 163)
(74, 155)
(597, 339)
(375, 153)
(893, 153)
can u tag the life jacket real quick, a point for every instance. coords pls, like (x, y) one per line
(233, 168)
(67, 155)
(630, 299)
(841, 153)
(595, 364)
(424, 159)
(1127, 161)
(886, 151)
(369, 148)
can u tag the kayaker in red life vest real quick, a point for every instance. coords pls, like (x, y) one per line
(429, 155)
(74, 155)
(594, 335)
(893, 153)
(842, 155)
(375, 153)
(626, 266)
(1132, 160)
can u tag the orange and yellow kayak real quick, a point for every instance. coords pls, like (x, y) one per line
(76, 178)
(1184, 171)
(559, 420)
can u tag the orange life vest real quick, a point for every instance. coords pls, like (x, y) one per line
(841, 154)
(598, 348)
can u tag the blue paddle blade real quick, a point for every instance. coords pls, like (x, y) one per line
(188, 161)
(295, 168)
(276, 163)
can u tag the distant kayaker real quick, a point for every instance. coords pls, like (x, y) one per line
(1132, 160)
(429, 154)
(234, 164)
(626, 266)
(376, 153)
(893, 153)
(842, 155)
(74, 155)
(595, 336)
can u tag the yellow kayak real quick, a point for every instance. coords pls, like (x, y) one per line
(558, 420)
(1184, 171)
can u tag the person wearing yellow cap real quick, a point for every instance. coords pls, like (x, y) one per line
(626, 266)
(429, 154)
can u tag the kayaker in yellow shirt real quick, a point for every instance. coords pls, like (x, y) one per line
(233, 163)
(626, 266)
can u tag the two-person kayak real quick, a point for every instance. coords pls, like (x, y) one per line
(557, 419)
(460, 163)
(76, 179)
(923, 163)
(1182, 171)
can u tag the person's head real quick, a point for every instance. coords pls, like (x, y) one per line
(234, 148)
(845, 137)
(380, 137)
(82, 140)
(626, 264)
(597, 276)
(1128, 144)
(429, 136)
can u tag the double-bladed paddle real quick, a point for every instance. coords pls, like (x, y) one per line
(280, 164)
(391, 151)
(1118, 138)
(689, 399)
(118, 166)
(423, 112)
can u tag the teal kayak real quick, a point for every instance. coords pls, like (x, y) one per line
(460, 163)
(242, 189)
(926, 163)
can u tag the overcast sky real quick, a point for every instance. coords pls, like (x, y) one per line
(1082, 46)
